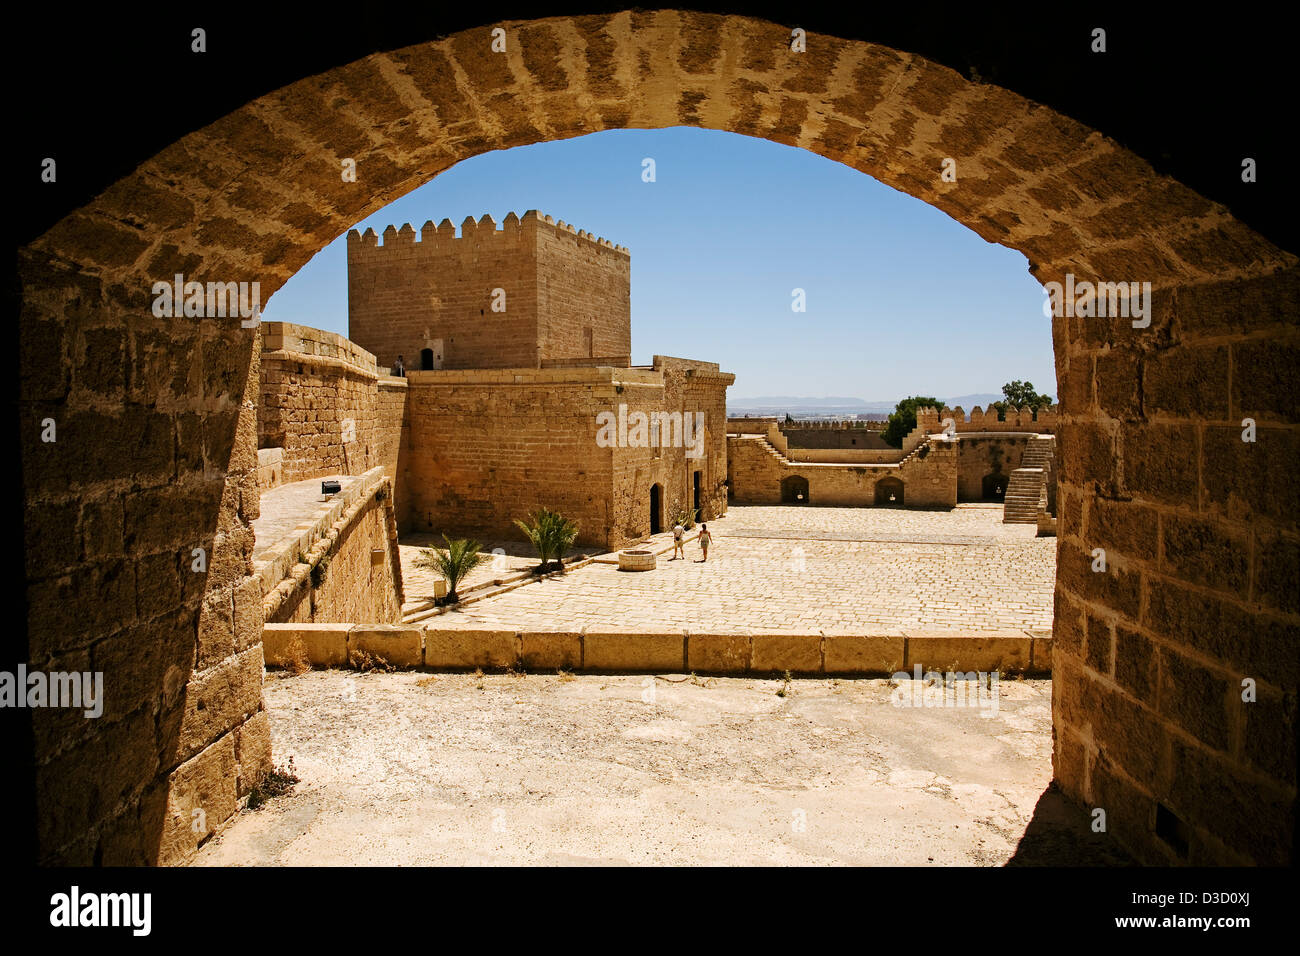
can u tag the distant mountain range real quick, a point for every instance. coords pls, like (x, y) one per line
(841, 405)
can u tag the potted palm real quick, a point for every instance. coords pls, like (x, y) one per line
(551, 535)
(454, 562)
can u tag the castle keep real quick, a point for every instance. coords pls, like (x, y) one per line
(533, 294)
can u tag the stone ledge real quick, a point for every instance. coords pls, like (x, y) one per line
(631, 650)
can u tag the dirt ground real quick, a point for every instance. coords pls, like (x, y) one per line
(416, 769)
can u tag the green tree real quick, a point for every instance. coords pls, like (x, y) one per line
(551, 535)
(458, 559)
(903, 418)
(1018, 394)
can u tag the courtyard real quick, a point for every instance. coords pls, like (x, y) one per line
(468, 769)
(793, 568)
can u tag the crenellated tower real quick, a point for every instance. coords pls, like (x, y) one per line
(535, 293)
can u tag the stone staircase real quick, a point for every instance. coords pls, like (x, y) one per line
(1028, 483)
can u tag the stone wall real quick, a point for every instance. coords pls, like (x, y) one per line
(488, 446)
(438, 293)
(756, 469)
(841, 437)
(1155, 718)
(361, 583)
(988, 453)
(1017, 419)
(318, 402)
(687, 387)
(317, 389)
(138, 554)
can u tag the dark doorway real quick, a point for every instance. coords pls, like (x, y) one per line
(794, 490)
(995, 487)
(696, 499)
(426, 360)
(656, 523)
(889, 491)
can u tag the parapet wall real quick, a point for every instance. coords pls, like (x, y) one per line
(325, 407)
(928, 473)
(1017, 419)
(533, 291)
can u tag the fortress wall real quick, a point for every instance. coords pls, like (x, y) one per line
(484, 450)
(688, 387)
(979, 455)
(392, 433)
(583, 283)
(750, 426)
(756, 477)
(843, 438)
(362, 581)
(979, 420)
(312, 384)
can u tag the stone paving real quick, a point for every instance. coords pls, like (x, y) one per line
(790, 568)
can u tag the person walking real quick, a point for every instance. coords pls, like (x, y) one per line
(399, 369)
(706, 539)
(679, 535)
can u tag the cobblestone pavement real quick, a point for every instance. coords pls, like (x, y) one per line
(791, 568)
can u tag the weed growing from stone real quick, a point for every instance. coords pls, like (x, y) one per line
(276, 783)
(295, 659)
(366, 662)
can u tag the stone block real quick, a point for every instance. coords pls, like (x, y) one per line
(550, 650)
(863, 654)
(613, 649)
(465, 649)
(327, 644)
(399, 645)
(797, 653)
(717, 653)
(976, 652)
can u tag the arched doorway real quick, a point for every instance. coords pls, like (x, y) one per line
(656, 497)
(1071, 199)
(995, 486)
(426, 360)
(794, 490)
(889, 492)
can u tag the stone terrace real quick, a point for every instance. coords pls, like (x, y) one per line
(962, 570)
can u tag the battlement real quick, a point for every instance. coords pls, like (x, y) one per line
(1017, 419)
(433, 239)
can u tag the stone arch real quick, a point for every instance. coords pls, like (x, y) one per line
(889, 492)
(994, 486)
(1150, 420)
(794, 490)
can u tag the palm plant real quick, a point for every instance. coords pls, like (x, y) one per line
(551, 534)
(458, 559)
(684, 516)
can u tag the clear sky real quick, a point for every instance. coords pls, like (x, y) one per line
(901, 299)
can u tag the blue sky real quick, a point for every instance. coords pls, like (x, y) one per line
(901, 299)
